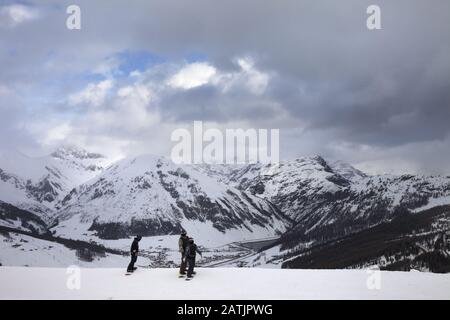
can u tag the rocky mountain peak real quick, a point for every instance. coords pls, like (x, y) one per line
(65, 152)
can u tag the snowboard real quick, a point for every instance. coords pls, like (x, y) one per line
(189, 279)
(130, 273)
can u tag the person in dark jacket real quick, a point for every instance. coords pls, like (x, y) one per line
(134, 253)
(183, 242)
(189, 254)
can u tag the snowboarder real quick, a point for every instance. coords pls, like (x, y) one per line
(183, 242)
(189, 254)
(134, 253)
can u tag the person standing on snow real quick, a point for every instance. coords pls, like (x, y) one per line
(183, 242)
(189, 254)
(134, 253)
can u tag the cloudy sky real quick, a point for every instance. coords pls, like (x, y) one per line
(137, 70)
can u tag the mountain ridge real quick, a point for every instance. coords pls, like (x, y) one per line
(305, 202)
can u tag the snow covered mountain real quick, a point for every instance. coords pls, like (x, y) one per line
(152, 196)
(308, 203)
(37, 184)
(327, 201)
(13, 217)
(419, 241)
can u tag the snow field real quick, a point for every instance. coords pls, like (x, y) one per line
(218, 283)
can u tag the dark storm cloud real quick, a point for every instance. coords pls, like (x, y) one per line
(208, 103)
(341, 83)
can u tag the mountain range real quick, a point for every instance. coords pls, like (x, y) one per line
(309, 204)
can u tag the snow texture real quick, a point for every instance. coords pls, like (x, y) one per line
(227, 283)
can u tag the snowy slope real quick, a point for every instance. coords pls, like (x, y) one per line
(37, 184)
(329, 200)
(346, 170)
(288, 184)
(22, 250)
(151, 196)
(221, 284)
(13, 217)
(418, 241)
(81, 195)
(159, 251)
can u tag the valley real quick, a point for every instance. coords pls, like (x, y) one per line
(296, 214)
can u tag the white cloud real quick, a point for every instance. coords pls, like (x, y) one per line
(193, 75)
(107, 66)
(16, 14)
(132, 110)
(132, 118)
(57, 134)
(135, 74)
(94, 94)
(201, 73)
(129, 111)
(136, 94)
(255, 80)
